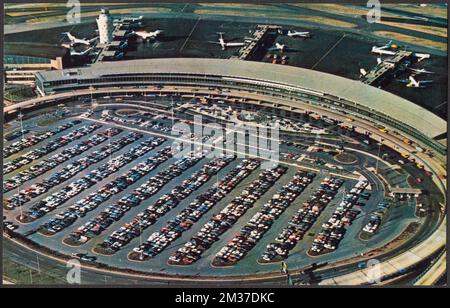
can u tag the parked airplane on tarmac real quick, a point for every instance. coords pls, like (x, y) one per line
(74, 40)
(148, 35)
(384, 50)
(418, 83)
(227, 44)
(305, 34)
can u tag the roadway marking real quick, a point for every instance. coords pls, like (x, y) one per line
(329, 50)
(184, 7)
(440, 105)
(189, 36)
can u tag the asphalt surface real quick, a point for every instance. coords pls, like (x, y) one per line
(351, 245)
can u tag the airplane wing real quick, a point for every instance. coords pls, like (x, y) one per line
(234, 44)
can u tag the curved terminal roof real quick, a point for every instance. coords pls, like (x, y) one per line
(352, 90)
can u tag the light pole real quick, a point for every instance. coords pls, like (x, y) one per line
(140, 238)
(91, 89)
(109, 142)
(38, 266)
(20, 117)
(20, 203)
(378, 157)
(171, 106)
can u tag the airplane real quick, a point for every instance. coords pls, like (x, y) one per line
(419, 71)
(133, 19)
(225, 44)
(278, 46)
(130, 20)
(305, 34)
(382, 50)
(148, 35)
(421, 56)
(80, 53)
(417, 84)
(74, 40)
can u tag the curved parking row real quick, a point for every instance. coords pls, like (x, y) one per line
(376, 218)
(334, 229)
(116, 211)
(253, 231)
(225, 219)
(302, 221)
(57, 159)
(93, 200)
(164, 204)
(16, 134)
(158, 241)
(68, 172)
(53, 145)
(29, 141)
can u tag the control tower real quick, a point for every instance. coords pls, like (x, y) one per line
(105, 27)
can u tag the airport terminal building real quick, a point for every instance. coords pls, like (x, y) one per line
(294, 84)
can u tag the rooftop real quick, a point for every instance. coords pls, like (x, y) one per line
(352, 90)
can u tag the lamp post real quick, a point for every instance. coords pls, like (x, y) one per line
(378, 157)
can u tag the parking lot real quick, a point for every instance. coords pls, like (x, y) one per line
(120, 197)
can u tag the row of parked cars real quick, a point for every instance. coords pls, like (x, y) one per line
(156, 126)
(57, 159)
(255, 228)
(107, 117)
(93, 200)
(226, 218)
(16, 134)
(164, 204)
(49, 147)
(115, 212)
(69, 171)
(375, 218)
(31, 140)
(158, 241)
(302, 221)
(333, 230)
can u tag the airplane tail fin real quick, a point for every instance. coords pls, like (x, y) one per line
(70, 36)
(413, 82)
